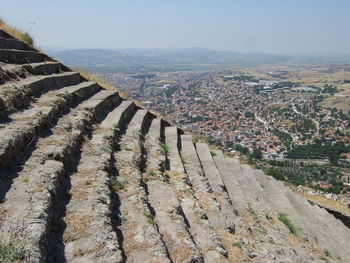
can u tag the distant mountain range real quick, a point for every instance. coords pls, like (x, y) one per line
(136, 60)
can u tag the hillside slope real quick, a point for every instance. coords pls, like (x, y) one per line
(86, 176)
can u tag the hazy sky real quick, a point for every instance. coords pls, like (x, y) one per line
(302, 27)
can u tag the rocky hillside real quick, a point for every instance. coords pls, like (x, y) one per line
(86, 176)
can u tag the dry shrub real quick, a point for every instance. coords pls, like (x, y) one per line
(17, 33)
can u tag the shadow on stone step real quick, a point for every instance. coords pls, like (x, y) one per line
(56, 247)
(117, 217)
(15, 166)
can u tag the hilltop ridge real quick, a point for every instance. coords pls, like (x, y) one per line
(87, 176)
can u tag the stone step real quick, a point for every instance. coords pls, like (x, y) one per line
(243, 181)
(123, 114)
(5, 35)
(327, 218)
(275, 199)
(236, 195)
(52, 99)
(162, 198)
(26, 125)
(276, 194)
(322, 213)
(201, 185)
(18, 72)
(100, 102)
(216, 183)
(171, 138)
(327, 215)
(141, 239)
(12, 43)
(11, 56)
(31, 191)
(21, 95)
(339, 224)
(209, 168)
(223, 225)
(256, 188)
(250, 187)
(91, 197)
(323, 231)
(261, 177)
(200, 228)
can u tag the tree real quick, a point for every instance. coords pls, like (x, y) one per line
(256, 154)
(242, 149)
(249, 114)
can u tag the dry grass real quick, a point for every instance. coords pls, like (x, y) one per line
(178, 251)
(247, 217)
(294, 240)
(17, 33)
(78, 226)
(196, 138)
(131, 243)
(341, 103)
(3, 215)
(323, 201)
(228, 239)
(318, 79)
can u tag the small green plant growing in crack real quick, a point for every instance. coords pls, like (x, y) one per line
(10, 109)
(285, 220)
(327, 256)
(25, 180)
(325, 259)
(252, 211)
(122, 217)
(10, 252)
(32, 99)
(106, 149)
(311, 202)
(78, 95)
(106, 138)
(204, 180)
(127, 149)
(88, 183)
(190, 192)
(279, 252)
(40, 115)
(152, 173)
(164, 147)
(150, 218)
(115, 184)
(237, 244)
(213, 153)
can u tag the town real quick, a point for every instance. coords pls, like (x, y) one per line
(238, 109)
(242, 113)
